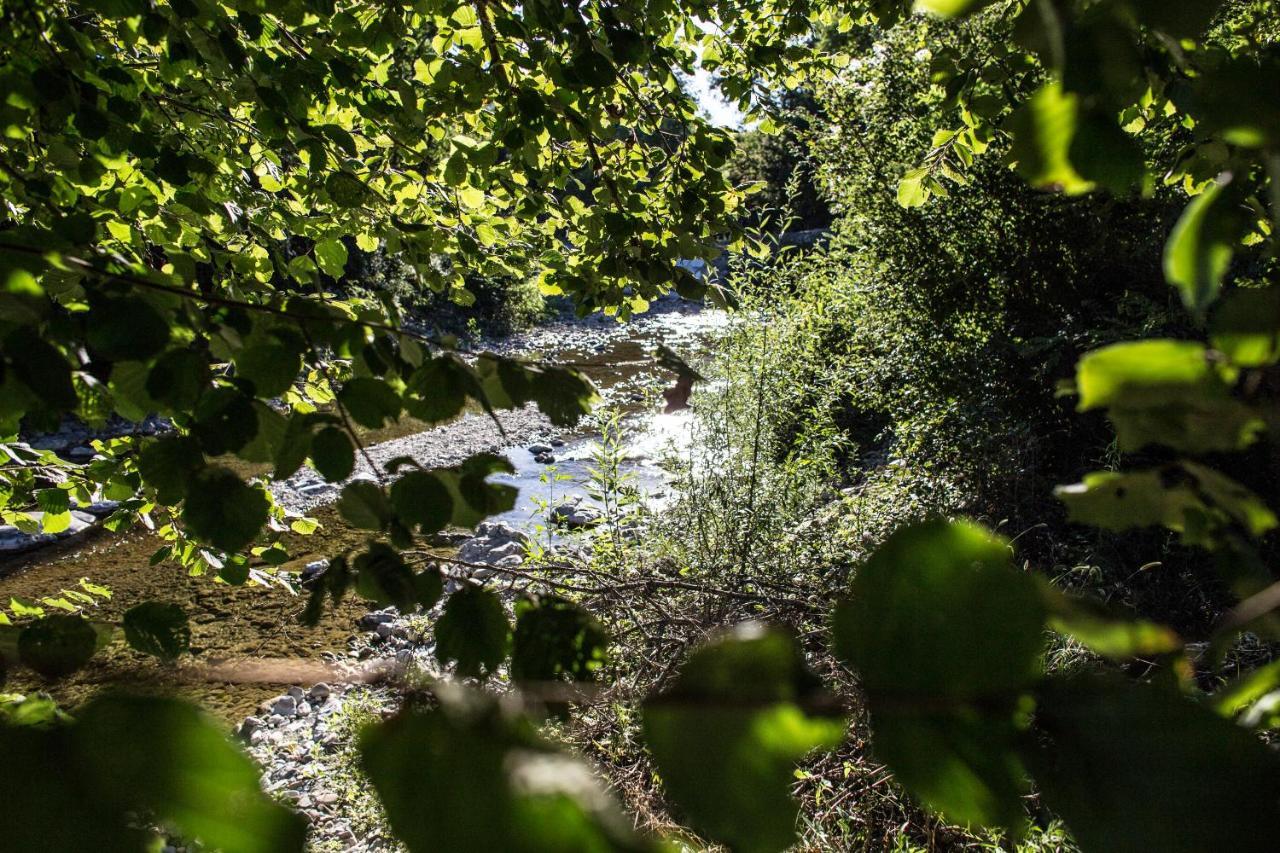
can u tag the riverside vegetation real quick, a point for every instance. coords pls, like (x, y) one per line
(973, 547)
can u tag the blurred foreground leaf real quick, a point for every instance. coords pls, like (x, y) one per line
(727, 735)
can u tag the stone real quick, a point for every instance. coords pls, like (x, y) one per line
(370, 621)
(536, 449)
(574, 515)
(249, 728)
(383, 630)
(296, 692)
(304, 708)
(313, 570)
(285, 706)
(557, 442)
(319, 692)
(544, 459)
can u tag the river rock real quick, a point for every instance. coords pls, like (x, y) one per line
(574, 515)
(537, 449)
(285, 706)
(544, 459)
(319, 692)
(313, 570)
(370, 621)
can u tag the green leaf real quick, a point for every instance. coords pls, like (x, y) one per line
(166, 465)
(345, 190)
(727, 736)
(473, 632)
(1043, 129)
(332, 454)
(178, 379)
(951, 8)
(58, 645)
(126, 328)
(1202, 244)
(270, 367)
(331, 255)
(371, 403)
(420, 500)
(1239, 695)
(1183, 19)
(269, 440)
(53, 500)
(126, 756)
(911, 189)
(222, 509)
(556, 639)
(1246, 327)
(383, 576)
(438, 390)
(158, 629)
(1140, 768)
(1166, 392)
(1105, 631)
(468, 775)
(364, 505)
(42, 368)
(947, 638)
(1104, 154)
(474, 498)
(1190, 499)
(164, 757)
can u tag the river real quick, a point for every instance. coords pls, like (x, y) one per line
(260, 621)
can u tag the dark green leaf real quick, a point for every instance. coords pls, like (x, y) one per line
(364, 505)
(1246, 327)
(178, 379)
(126, 328)
(167, 463)
(947, 637)
(1105, 631)
(1187, 498)
(556, 639)
(225, 421)
(371, 402)
(332, 454)
(420, 500)
(163, 757)
(727, 736)
(1140, 768)
(157, 628)
(1181, 19)
(222, 509)
(1166, 392)
(345, 190)
(42, 368)
(473, 632)
(56, 646)
(467, 775)
(270, 367)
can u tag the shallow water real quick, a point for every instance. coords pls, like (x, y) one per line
(255, 622)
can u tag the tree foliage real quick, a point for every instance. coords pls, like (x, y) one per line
(183, 182)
